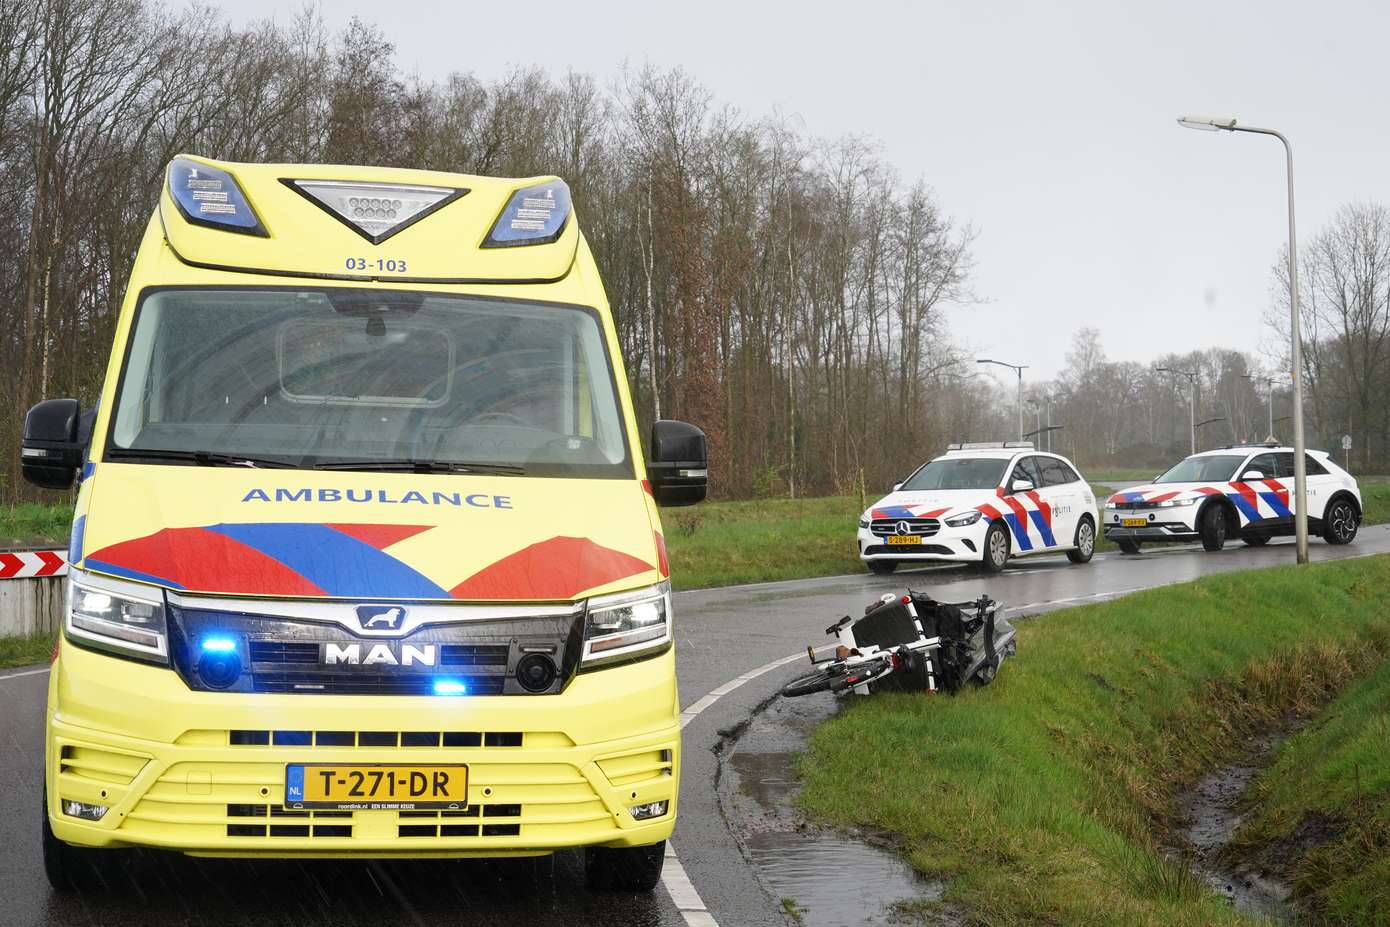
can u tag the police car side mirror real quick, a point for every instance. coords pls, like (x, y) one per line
(1252, 475)
(1021, 486)
(897, 486)
(678, 468)
(51, 450)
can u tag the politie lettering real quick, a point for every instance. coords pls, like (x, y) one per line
(477, 500)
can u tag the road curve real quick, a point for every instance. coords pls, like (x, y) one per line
(726, 641)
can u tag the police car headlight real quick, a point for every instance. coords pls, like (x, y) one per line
(1111, 505)
(863, 523)
(961, 521)
(1172, 503)
(628, 625)
(117, 616)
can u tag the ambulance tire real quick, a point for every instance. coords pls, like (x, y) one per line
(996, 553)
(71, 868)
(624, 869)
(1085, 541)
(882, 567)
(1127, 546)
(1212, 526)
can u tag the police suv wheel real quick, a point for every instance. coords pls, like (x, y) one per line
(1256, 540)
(882, 567)
(1085, 542)
(996, 553)
(626, 869)
(1213, 527)
(1127, 546)
(1340, 523)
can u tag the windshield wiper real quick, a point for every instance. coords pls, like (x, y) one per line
(421, 466)
(200, 458)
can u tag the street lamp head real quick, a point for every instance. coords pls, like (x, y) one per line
(985, 360)
(1207, 123)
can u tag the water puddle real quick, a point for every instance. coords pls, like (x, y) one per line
(1210, 815)
(821, 877)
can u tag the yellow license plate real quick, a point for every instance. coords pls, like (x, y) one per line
(904, 539)
(1135, 522)
(373, 787)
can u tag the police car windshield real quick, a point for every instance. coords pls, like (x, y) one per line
(352, 378)
(1217, 468)
(958, 473)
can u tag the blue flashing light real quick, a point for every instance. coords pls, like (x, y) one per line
(534, 216)
(209, 196)
(449, 687)
(219, 644)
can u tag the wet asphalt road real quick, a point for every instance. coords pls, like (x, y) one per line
(721, 635)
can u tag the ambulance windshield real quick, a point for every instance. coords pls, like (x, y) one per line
(347, 378)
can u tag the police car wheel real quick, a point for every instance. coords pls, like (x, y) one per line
(882, 567)
(1085, 542)
(1213, 528)
(1256, 540)
(996, 553)
(1128, 547)
(1340, 523)
(624, 869)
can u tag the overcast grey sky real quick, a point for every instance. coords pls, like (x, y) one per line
(1049, 127)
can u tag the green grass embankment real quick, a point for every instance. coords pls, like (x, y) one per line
(1042, 799)
(1321, 813)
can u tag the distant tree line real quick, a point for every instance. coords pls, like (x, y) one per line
(786, 293)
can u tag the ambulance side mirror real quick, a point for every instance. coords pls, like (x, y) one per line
(679, 464)
(51, 450)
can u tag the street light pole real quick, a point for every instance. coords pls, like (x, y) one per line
(1019, 368)
(1191, 399)
(1269, 388)
(1300, 469)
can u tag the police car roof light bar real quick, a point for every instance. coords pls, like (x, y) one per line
(987, 445)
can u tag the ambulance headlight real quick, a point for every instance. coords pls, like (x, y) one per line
(963, 520)
(533, 216)
(209, 196)
(117, 616)
(627, 625)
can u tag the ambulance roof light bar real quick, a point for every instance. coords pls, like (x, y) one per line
(210, 197)
(376, 211)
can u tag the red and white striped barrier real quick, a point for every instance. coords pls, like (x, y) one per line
(26, 564)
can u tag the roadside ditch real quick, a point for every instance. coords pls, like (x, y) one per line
(818, 876)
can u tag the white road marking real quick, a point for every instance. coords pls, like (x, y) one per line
(31, 672)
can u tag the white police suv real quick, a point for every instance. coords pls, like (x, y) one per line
(982, 503)
(1244, 491)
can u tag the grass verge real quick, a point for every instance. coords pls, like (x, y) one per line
(1040, 799)
(23, 651)
(37, 520)
(1321, 811)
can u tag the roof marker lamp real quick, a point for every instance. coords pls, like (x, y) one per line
(533, 216)
(210, 197)
(449, 687)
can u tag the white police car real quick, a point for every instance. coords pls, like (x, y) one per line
(1244, 491)
(982, 503)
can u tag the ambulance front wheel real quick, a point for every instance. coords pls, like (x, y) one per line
(996, 552)
(625, 869)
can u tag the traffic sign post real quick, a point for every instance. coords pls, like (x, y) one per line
(1346, 452)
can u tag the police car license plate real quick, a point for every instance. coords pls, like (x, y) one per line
(375, 787)
(904, 539)
(1135, 522)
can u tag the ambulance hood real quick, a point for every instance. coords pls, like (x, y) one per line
(268, 532)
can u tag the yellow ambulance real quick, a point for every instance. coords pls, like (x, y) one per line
(366, 558)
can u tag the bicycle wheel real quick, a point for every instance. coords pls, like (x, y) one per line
(862, 675)
(817, 681)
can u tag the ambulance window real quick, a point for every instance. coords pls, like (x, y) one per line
(352, 378)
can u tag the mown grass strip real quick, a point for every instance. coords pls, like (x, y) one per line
(22, 651)
(1041, 798)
